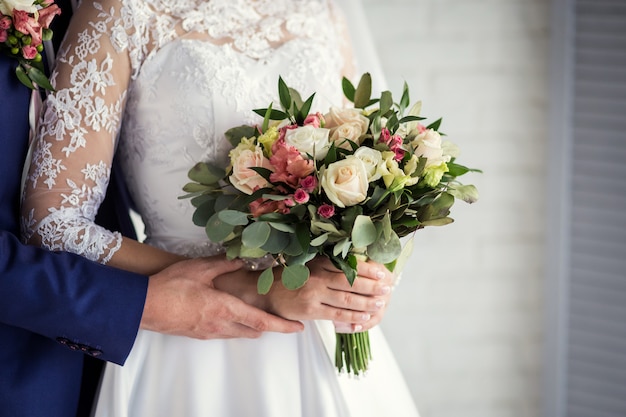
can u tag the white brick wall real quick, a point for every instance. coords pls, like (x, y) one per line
(467, 327)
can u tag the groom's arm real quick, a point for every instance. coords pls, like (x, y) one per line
(85, 306)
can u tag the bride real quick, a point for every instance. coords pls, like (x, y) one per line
(158, 82)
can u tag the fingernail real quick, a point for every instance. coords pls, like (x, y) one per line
(380, 274)
(380, 304)
(358, 327)
(365, 317)
(385, 290)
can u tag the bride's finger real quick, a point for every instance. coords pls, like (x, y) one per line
(353, 301)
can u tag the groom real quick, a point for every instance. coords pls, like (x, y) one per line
(58, 308)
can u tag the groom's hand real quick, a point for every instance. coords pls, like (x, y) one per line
(182, 300)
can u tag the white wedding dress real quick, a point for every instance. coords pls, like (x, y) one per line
(174, 75)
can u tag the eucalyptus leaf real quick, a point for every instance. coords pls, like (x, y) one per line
(203, 213)
(295, 276)
(199, 200)
(363, 232)
(301, 259)
(233, 217)
(265, 281)
(217, 230)
(384, 252)
(246, 252)
(256, 234)
(283, 227)
(276, 242)
(304, 236)
(235, 134)
(438, 222)
(206, 174)
(224, 201)
(233, 251)
(405, 254)
(467, 193)
(320, 240)
(194, 187)
(293, 248)
(341, 247)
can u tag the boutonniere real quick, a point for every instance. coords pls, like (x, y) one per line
(24, 25)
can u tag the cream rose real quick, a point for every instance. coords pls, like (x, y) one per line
(309, 140)
(7, 6)
(371, 158)
(245, 179)
(346, 123)
(350, 131)
(345, 182)
(428, 145)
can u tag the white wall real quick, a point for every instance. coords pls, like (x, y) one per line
(466, 322)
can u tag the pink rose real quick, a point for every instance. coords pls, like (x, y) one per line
(5, 22)
(27, 24)
(29, 52)
(316, 120)
(245, 179)
(326, 211)
(309, 183)
(385, 136)
(46, 15)
(301, 196)
(3, 35)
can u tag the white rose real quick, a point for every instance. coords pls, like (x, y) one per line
(309, 140)
(350, 131)
(428, 145)
(339, 116)
(7, 6)
(245, 179)
(345, 182)
(371, 158)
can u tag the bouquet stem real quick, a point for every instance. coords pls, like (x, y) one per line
(352, 352)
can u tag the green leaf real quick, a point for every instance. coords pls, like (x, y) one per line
(283, 227)
(293, 248)
(363, 91)
(407, 119)
(304, 236)
(320, 240)
(407, 250)
(276, 242)
(194, 187)
(203, 213)
(246, 252)
(205, 173)
(199, 200)
(405, 100)
(266, 118)
(467, 193)
(435, 125)
(342, 247)
(40, 78)
(23, 77)
(306, 107)
(296, 99)
(385, 230)
(265, 281)
(233, 217)
(256, 234)
(384, 252)
(348, 89)
(363, 232)
(438, 222)
(274, 114)
(235, 134)
(233, 251)
(386, 101)
(301, 259)
(348, 268)
(217, 230)
(295, 276)
(285, 96)
(457, 170)
(264, 172)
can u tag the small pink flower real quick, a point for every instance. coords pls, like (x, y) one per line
(399, 154)
(290, 203)
(5, 22)
(385, 136)
(29, 52)
(301, 196)
(261, 206)
(326, 211)
(316, 120)
(46, 15)
(309, 183)
(3, 35)
(289, 165)
(27, 24)
(421, 128)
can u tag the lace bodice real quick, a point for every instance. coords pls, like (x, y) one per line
(162, 80)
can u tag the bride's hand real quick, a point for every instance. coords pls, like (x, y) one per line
(327, 295)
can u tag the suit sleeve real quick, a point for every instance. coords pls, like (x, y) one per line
(83, 305)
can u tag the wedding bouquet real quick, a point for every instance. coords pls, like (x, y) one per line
(24, 25)
(346, 185)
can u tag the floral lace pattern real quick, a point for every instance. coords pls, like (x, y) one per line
(174, 74)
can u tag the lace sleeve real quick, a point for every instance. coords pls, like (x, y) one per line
(75, 142)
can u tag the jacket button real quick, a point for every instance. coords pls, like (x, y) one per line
(63, 340)
(95, 352)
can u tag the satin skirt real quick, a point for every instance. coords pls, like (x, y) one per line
(277, 375)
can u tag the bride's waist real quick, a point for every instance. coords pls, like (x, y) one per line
(186, 246)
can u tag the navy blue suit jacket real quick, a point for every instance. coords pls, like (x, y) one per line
(55, 308)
